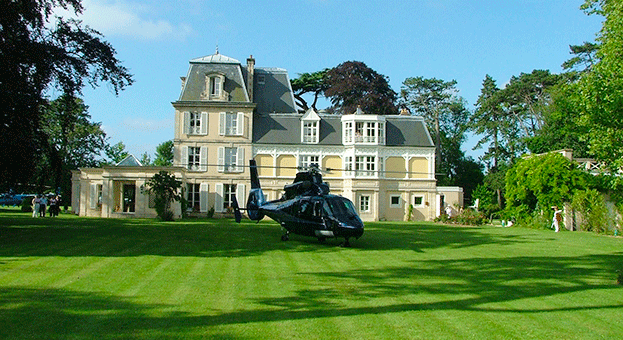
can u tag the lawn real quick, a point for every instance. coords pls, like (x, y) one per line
(87, 278)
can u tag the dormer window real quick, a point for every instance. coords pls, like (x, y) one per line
(214, 87)
(310, 127)
(363, 129)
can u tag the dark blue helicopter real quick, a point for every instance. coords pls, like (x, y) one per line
(305, 209)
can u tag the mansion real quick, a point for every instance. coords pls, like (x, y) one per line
(228, 113)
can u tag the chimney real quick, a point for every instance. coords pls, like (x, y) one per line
(250, 72)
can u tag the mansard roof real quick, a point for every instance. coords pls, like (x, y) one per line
(214, 64)
(272, 91)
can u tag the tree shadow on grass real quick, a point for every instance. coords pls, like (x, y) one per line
(21, 235)
(478, 284)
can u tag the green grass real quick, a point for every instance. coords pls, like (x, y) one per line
(77, 278)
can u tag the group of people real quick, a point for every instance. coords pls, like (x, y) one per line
(42, 202)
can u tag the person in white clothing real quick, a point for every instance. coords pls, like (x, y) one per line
(557, 218)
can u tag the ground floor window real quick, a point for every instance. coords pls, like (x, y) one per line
(193, 196)
(418, 200)
(229, 190)
(394, 201)
(129, 197)
(364, 203)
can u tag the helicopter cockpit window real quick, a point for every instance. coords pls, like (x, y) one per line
(339, 206)
(306, 209)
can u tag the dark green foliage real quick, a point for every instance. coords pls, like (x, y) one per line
(38, 56)
(26, 205)
(166, 189)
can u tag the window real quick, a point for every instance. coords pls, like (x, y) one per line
(214, 87)
(194, 123)
(310, 132)
(194, 157)
(261, 79)
(356, 130)
(230, 159)
(348, 132)
(418, 201)
(394, 201)
(307, 160)
(364, 203)
(194, 196)
(229, 190)
(365, 166)
(231, 123)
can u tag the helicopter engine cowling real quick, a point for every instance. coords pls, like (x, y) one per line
(254, 202)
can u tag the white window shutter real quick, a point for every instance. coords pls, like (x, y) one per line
(240, 193)
(221, 159)
(186, 122)
(184, 160)
(240, 124)
(203, 197)
(204, 123)
(218, 198)
(93, 198)
(222, 123)
(240, 160)
(204, 158)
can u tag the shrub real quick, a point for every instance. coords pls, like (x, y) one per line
(594, 214)
(26, 205)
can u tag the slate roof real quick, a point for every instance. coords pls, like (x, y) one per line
(213, 64)
(286, 129)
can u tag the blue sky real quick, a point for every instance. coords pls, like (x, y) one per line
(446, 39)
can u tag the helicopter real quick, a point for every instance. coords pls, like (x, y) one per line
(306, 208)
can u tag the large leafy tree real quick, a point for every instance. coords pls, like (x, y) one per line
(37, 56)
(526, 96)
(438, 102)
(601, 90)
(353, 84)
(73, 141)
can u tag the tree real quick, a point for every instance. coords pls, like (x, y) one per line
(601, 89)
(584, 58)
(489, 121)
(166, 189)
(536, 183)
(526, 96)
(73, 141)
(437, 101)
(309, 83)
(145, 159)
(164, 154)
(561, 124)
(115, 153)
(36, 57)
(352, 84)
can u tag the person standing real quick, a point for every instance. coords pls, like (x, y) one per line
(557, 218)
(36, 204)
(42, 205)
